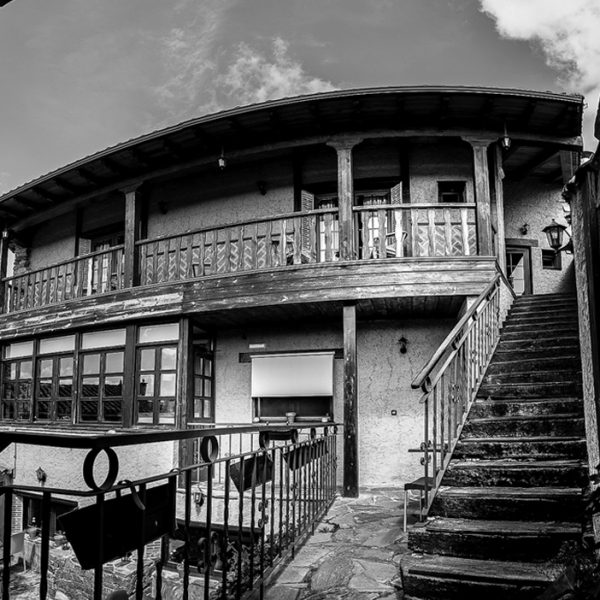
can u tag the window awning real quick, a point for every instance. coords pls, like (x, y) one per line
(292, 375)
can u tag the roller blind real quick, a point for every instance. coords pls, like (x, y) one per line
(285, 375)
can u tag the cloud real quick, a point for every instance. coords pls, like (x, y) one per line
(568, 33)
(4, 181)
(254, 76)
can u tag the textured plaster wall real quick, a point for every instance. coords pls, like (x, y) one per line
(384, 377)
(53, 242)
(64, 467)
(439, 161)
(537, 203)
(218, 198)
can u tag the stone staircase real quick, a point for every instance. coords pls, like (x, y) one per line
(511, 495)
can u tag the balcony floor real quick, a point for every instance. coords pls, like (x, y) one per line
(354, 553)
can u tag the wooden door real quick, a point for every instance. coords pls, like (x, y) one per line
(518, 269)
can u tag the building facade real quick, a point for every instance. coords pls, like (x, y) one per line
(300, 256)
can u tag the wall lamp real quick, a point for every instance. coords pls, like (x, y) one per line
(41, 475)
(555, 234)
(524, 229)
(221, 160)
(403, 343)
(505, 140)
(198, 497)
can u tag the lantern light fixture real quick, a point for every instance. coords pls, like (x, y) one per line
(505, 140)
(554, 233)
(221, 160)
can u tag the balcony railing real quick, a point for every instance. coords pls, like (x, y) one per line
(248, 498)
(95, 273)
(310, 237)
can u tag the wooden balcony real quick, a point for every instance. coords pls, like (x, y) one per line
(388, 237)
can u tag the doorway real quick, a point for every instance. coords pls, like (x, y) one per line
(518, 269)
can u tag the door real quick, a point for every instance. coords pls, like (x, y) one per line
(518, 269)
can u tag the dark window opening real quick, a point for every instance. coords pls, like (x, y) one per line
(551, 260)
(451, 192)
(307, 408)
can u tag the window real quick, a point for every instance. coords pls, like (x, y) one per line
(17, 389)
(203, 385)
(157, 373)
(54, 388)
(451, 192)
(551, 260)
(101, 392)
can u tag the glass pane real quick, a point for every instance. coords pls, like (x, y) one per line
(89, 410)
(13, 370)
(114, 362)
(198, 364)
(8, 409)
(46, 368)
(198, 408)
(167, 384)
(24, 390)
(91, 364)
(65, 368)
(23, 410)
(168, 358)
(63, 410)
(65, 388)
(198, 390)
(45, 388)
(43, 409)
(146, 386)
(158, 333)
(90, 387)
(19, 349)
(113, 386)
(145, 411)
(112, 410)
(207, 409)
(166, 411)
(147, 359)
(9, 389)
(207, 387)
(26, 370)
(207, 368)
(103, 339)
(59, 344)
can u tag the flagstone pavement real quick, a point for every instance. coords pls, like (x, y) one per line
(354, 554)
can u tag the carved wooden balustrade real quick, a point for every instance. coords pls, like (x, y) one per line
(288, 240)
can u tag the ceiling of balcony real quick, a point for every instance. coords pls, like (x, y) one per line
(539, 124)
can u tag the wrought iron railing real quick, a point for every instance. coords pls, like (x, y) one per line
(223, 521)
(87, 275)
(452, 376)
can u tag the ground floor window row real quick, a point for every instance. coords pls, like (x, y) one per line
(84, 377)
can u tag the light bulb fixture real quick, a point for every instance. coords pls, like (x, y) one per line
(221, 160)
(41, 475)
(505, 141)
(403, 342)
(524, 229)
(198, 497)
(554, 233)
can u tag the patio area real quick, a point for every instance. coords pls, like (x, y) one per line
(354, 553)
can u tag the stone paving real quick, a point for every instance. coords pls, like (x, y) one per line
(354, 554)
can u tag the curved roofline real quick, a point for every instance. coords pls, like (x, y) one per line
(287, 101)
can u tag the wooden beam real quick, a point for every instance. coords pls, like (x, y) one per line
(351, 474)
(4, 242)
(173, 149)
(537, 161)
(115, 167)
(499, 194)
(129, 380)
(481, 181)
(297, 160)
(88, 176)
(524, 118)
(132, 235)
(65, 185)
(185, 379)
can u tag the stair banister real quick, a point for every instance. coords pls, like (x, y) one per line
(451, 377)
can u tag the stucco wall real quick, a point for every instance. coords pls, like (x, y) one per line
(537, 203)
(384, 376)
(439, 161)
(53, 242)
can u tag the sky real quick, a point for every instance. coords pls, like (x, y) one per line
(77, 76)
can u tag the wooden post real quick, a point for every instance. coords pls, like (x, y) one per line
(184, 397)
(350, 402)
(481, 181)
(343, 147)
(4, 241)
(499, 188)
(129, 379)
(132, 235)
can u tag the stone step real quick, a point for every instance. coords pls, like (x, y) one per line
(511, 472)
(549, 389)
(527, 376)
(558, 308)
(566, 424)
(547, 326)
(516, 354)
(426, 577)
(525, 448)
(531, 541)
(509, 503)
(482, 409)
(551, 317)
(522, 364)
(548, 343)
(543, 299)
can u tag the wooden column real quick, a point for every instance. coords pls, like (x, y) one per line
(499, 188)
(481, 181)
(4, 241)
(343, 147)
(133, 227)
(185, 383)
(129, 378)
(350, 402)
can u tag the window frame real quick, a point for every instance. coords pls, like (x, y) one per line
(55, 378)
(461, 196)
(556, 260)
